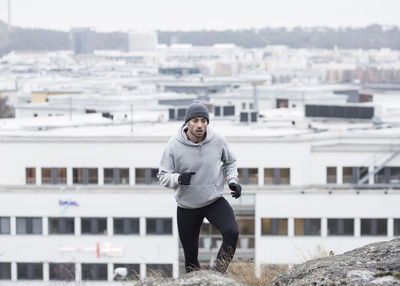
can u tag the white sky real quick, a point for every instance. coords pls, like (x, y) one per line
(124, 15)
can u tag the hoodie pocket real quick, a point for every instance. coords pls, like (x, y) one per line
(196, 194)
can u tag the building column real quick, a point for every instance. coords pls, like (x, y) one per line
(339, 172)
(45, 225)
(13, 225)
(324, 227)
(143, 270)
(142, 226)
(132, 176)
(390, 227)
(260, 176)
(357, 227)
(46, 271)
(69, 176)
(77, 221)
(39, 175)
(110, 226)
(110, 271)
(13, 271)
(100, 175)
(78, 272)
(290, 227)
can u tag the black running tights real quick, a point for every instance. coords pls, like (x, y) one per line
(220, 215)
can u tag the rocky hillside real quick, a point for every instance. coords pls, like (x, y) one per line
(373, 264)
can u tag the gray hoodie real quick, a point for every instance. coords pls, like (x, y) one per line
(209, 158)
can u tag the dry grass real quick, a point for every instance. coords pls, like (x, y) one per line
(243, 271)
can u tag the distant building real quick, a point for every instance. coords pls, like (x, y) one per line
(83, 40)
(142, 41)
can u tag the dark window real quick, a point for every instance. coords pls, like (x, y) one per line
(229, 110)
(171, 114)
(5, 271)
(146, 176)
(4, 225)
(94, 271)
(217, 110)
(158, 225)
(54, 175)
(396, 226)
(277, 176)
(248, 176)
(85, 176)
(116, 176)
(394, 175)
(157, 270)
(133, 271)
(30, 176)
(340, 226)
(331, 177)
(373, 226)
(244, 116)
(307, 226)
(29, 225)
(61, 225)
(351, 175)
(93, 225)
(274, 226)
(30, 271)
(126, 225)
(62, 271)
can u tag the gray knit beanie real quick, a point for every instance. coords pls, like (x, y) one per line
(196, 109)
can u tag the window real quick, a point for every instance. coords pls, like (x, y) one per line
(163, 270)
(133, 271)
(5, 271)
(388, 175)
(373, 226)
(30, 176)
(228, 110)
(85, 176)
(30, 271)
(307, 226)
(62, 271)
(61, 225)
(340, 226)
(245, 224)
(274, 226)
(146, 176)
(126, 225)
(158, 226)
(54, 175)
(29, 225)
(277, 176)
(117, 176)
(4, 225)
(331, 177)
(94, 271)
(93, 225)
(351, 175)
(396, 226)
(248, 176)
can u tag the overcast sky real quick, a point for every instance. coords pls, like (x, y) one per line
(124, 15)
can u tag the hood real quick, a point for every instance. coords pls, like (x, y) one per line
(181, 136)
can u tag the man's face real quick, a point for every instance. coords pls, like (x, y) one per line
(197, 127)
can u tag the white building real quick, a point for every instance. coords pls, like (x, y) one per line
(140, 41)
(83, 200)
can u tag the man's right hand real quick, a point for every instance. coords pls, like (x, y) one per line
(184, 178)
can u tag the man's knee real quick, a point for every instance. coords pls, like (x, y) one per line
(232, 233)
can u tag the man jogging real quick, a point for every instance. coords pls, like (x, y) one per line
(194, 163)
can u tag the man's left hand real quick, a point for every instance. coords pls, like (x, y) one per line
(236, 190)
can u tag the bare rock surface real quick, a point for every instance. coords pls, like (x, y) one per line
(196, 278)
(373, 264)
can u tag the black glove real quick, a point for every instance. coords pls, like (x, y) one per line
(236, 190)
(184, 178)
